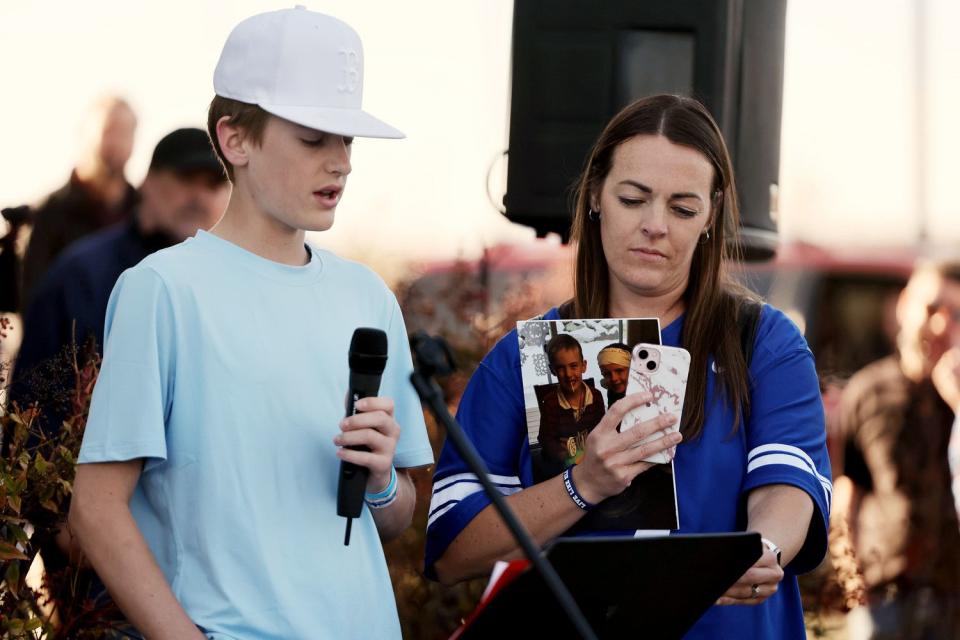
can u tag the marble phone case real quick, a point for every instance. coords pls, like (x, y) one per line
(663, 372)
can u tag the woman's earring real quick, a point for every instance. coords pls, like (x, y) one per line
(593, 216)
(705, 237)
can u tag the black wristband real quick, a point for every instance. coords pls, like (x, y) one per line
(572, 490)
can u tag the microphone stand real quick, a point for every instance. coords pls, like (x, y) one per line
(433, 357)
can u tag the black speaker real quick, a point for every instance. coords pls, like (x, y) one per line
(577, 62)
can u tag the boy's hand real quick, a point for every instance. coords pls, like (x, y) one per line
(373, 427)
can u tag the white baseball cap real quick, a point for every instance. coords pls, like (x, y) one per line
(301, 66)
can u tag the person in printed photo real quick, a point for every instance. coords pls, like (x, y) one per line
(614, 363)
(571, 409)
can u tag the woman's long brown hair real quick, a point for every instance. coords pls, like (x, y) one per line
(712, 299)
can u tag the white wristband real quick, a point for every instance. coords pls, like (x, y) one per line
(770, 544)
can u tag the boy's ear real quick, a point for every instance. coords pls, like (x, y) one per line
(231, 139)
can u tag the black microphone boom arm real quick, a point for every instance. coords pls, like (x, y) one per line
(432, 356)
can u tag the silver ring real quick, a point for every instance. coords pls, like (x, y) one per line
(755, 591)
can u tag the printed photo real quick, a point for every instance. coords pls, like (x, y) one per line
(573, 371)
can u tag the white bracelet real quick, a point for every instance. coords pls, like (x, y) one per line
(770, 544)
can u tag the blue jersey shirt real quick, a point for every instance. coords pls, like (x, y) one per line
(782, 442)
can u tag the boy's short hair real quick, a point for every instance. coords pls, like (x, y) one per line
(562, 342)
(249, 117)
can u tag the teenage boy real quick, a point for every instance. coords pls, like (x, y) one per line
(206, 493)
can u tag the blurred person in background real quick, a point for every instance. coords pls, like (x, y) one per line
(185, 189)
(895, 421)
(96, 195)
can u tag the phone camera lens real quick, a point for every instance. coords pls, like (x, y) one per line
(651, 365)
(643, 354)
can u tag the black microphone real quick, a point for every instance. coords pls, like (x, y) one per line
(367, 358)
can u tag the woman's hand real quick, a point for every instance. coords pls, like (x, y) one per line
(759, 582)
(372, 427)
(613, 459)
(780, 512)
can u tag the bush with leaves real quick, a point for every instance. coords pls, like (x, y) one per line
(40, 436)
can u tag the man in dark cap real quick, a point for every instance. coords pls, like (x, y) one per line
(185, 189)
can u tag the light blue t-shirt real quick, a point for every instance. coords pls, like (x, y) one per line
(228, 373)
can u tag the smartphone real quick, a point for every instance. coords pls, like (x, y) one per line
(661, 371)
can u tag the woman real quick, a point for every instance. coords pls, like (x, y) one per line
(653, 208)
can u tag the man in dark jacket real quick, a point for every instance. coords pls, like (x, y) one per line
(97, 194)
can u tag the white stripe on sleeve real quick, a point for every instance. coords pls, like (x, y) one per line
(792, 461)
(495, 479)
